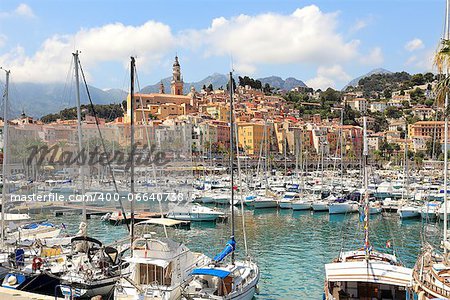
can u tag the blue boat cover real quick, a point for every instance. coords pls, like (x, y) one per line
(230, 247)
(213, 272)
(31, 226)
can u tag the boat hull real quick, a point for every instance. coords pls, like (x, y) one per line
(194, 217)
(342, 208)
(285, 204)
(408, 213)
(265, 204)
(319, 206)
(301, 206)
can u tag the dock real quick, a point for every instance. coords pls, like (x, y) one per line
(65, 208)
(20, 295)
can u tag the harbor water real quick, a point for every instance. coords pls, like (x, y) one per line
(291, 248)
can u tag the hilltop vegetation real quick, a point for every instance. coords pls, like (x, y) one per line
(109, 112)
(384, 84)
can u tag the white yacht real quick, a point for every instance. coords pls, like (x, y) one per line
(320, 205)
(354, 275)
(430, 210)
(375, 208)
(221, 198)
(33, 231)
(195, 213)
(301, 205)
(343, 207)
(286, 201)
(264, 202)
(408, 212)
(157, 268)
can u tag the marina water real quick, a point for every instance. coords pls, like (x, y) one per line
(291, 248)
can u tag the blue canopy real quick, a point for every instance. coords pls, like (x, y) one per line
(231, 245)
(212, 272)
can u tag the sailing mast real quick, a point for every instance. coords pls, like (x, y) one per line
(5, 154)
(341, 141)
(366, 193)
(447, 37)
(132, 69)
(80, 134)
(232, 161)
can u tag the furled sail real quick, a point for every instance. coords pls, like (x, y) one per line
(231, 245)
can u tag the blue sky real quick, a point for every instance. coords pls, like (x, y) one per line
(324, 43)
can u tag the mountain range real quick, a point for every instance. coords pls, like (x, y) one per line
(220, 81)
(355, 81)
(37, 100)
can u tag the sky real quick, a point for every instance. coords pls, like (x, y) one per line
(323, 43)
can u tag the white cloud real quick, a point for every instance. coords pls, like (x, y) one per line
(359, 24)
(243, 68)
(374, 58)
(110, 43)
(306, 36)
(414, 44)
(24, 10)
(422, 62)
(328, 77)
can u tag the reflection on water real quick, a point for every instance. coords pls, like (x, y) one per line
(291, 248)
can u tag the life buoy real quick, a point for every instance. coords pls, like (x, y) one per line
(37, 263)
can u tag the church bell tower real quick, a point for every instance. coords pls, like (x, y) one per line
(176, 85)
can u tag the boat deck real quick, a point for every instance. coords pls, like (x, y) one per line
(20, 295)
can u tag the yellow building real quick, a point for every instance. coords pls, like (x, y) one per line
(219, 111)
(251, 136)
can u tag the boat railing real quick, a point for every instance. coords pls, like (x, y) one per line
(432, 287)
(440, 291)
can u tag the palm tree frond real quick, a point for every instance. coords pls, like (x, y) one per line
(442, 57)
(442, 89)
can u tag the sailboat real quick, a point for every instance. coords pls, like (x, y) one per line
(432, 268)
(156, 267)
(93, 268)
(221, 280)
(4, 216)
(407, 211)
(366, 273)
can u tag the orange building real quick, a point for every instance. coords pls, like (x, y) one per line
(427, 128)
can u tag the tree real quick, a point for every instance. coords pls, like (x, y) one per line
(429, 77)
(417, 95)
(429, 149)
(233, 84)
(210, 88)
(393, 112)
(380, 123)
(417, 79)
(386, 148)
(387, 93)
(108, 112)
(330, 96)
(442, 62)
(267, 89)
